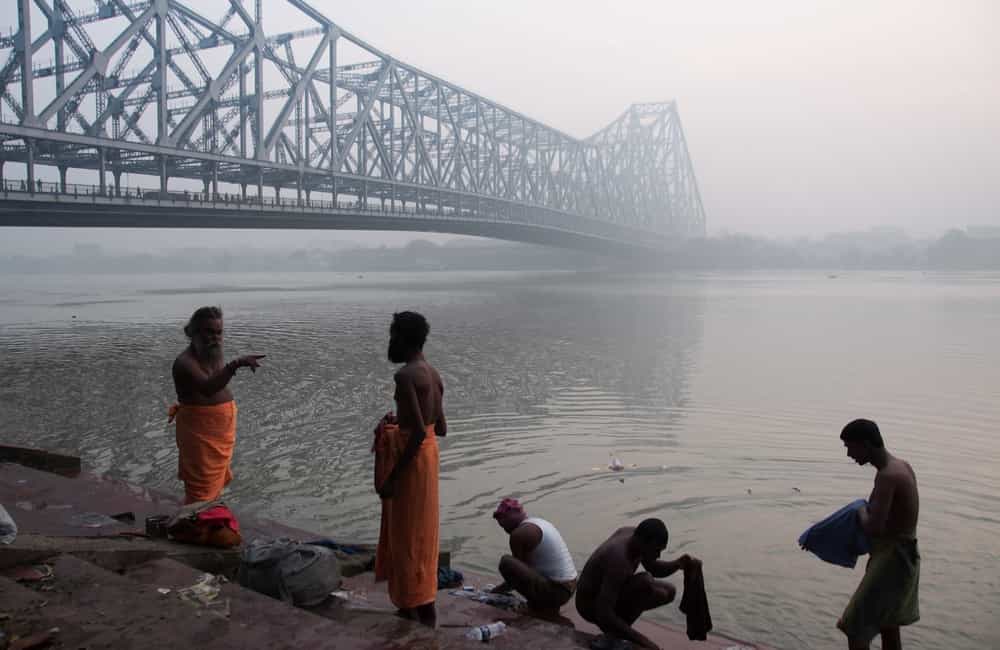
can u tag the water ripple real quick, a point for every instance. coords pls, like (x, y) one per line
(722, 396)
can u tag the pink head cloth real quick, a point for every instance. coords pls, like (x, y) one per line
(508, 505)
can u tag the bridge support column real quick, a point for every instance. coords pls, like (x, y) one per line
(260, 185)
(2, 186)
(29, 146)
(102, 177)
(118, 182)
(277, 193)
(243, 191)
(206, 188)
(24, 46)
(298, 188)
(215, 179)
(62, 178)
(163, 174)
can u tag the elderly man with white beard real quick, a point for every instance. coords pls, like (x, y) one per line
(205, 410)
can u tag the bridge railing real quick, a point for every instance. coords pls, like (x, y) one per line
(530, 216)
(221, 199)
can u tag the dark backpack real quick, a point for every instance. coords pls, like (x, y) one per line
(300, 574)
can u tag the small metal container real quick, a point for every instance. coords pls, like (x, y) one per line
(156, 526)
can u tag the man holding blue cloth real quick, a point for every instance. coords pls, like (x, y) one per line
(838, 539)
(887, 597)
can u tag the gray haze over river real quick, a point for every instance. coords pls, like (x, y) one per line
(722, 394)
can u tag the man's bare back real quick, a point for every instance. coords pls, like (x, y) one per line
(609, 561)
(612, 595)
(904, 505)
(419, 395)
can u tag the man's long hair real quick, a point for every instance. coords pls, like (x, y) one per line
(201, 314)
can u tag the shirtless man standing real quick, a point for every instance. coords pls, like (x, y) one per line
(887, 596)
(407, 553)
(611, 595)
(205, 411)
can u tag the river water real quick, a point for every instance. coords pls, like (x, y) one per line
(723, 395)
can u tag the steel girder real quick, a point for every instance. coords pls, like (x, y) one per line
(175, 92)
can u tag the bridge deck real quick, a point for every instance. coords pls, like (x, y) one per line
(86, 206)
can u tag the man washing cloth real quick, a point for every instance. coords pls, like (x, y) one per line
(540, 566)
(205, 412)
(610, 593)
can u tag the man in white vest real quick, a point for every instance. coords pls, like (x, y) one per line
(540, 567)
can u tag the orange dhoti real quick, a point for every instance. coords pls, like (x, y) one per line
(407, 553)
(206, 436)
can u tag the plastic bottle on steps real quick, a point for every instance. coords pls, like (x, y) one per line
(486, 632)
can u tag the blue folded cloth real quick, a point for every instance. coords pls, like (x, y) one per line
(838, 539)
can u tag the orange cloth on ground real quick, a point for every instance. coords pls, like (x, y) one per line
(407, 553)
(206, 436)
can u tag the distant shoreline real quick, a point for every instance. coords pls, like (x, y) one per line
(874, 250)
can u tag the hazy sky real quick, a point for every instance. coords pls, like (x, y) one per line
(802, 116)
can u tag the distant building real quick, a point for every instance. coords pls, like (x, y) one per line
(880, 238)
(983, 232)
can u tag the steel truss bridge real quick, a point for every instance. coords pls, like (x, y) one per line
(239, 114)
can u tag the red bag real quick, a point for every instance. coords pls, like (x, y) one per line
(211, 525)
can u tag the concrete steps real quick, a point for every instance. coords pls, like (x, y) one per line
(95, 608)
(103, 593)
(328, 624)
(99, 608)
